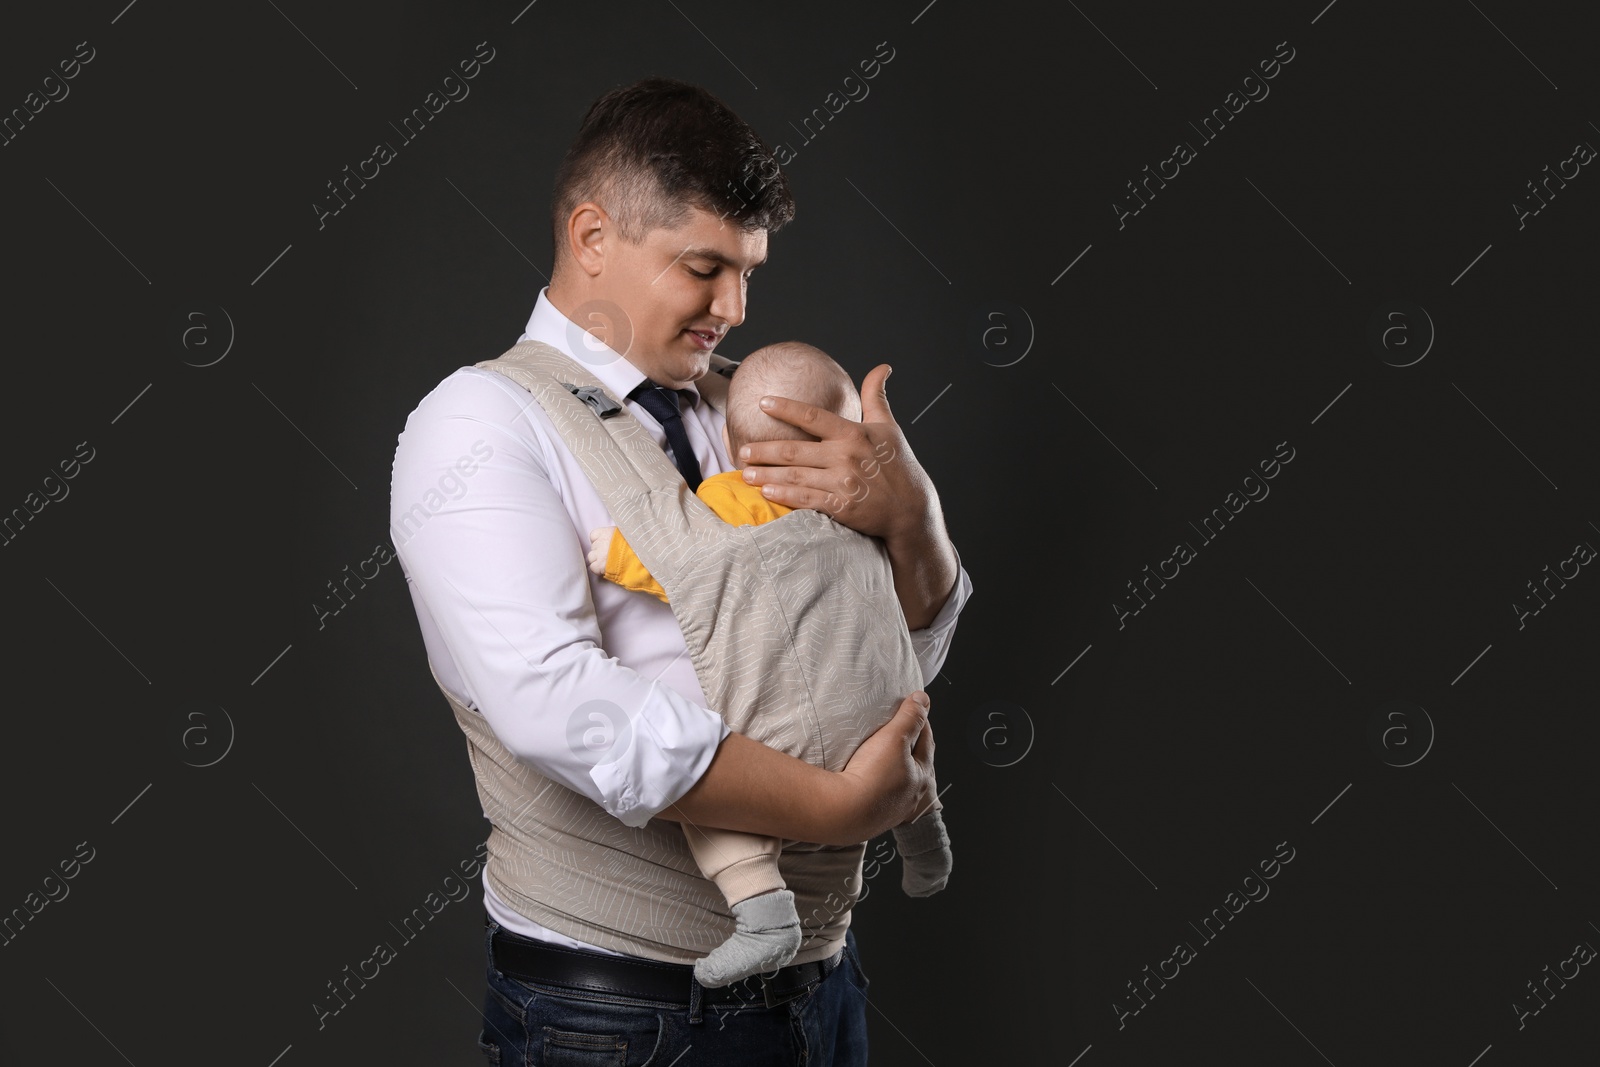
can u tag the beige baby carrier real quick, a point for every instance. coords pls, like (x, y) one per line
(797, 638)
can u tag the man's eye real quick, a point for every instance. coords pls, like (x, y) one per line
(702, 274)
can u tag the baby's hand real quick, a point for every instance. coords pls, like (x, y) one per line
(600, 548)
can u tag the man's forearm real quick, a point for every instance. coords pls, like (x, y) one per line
(759, 790)
(887, 781)
(925, 566)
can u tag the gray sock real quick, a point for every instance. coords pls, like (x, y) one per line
(924, 855)
(767, 937)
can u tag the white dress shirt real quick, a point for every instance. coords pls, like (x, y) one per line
(490, 515)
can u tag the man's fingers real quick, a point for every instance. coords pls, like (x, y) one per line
(806, 477)
(913, 716)
(875, 395)
(785, 454)
(923, 749)
(813, 420)
(791, 484)
(801, 496)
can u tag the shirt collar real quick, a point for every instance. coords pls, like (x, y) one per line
(614, 372)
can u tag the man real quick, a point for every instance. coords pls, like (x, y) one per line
(661, 211)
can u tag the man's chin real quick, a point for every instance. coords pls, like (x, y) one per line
(692, 368)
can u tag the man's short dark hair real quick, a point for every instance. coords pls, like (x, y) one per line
(649, 151)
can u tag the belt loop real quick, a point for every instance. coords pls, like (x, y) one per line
(694, 1001)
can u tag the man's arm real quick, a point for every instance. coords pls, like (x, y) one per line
(495, 565)
(888, 781)
(865, 476)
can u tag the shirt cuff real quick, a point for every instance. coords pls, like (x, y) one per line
(932, 642)
(660, 765)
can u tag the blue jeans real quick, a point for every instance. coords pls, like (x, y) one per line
(527, 1024)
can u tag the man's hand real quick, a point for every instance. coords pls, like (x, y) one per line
(890, 776)
(863, 475)
(600, 548)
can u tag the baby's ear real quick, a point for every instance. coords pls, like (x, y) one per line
(727, 444)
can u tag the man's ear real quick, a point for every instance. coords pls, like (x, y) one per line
(587, 229)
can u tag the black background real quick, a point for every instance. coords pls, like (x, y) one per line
(162, 613)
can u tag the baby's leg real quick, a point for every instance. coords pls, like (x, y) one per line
(924, 854)
(745, 868)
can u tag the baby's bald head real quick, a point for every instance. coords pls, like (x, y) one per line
(792, 369)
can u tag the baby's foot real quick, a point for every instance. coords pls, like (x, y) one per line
(925, 858)
(767, 938)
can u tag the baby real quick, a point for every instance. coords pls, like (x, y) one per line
(745, 866)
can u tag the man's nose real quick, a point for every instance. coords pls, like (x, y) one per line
(729, 302)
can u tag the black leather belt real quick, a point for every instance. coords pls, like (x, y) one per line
(626, 976)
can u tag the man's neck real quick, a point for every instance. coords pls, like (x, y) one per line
(571, 302)
(560, 299)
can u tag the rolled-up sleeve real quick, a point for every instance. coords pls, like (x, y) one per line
(932, 642)
(498, 575)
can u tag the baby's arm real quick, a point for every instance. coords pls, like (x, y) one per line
(612, 559)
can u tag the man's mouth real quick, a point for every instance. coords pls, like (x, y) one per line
(706, 339)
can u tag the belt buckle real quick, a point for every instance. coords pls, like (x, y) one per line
(772, 999)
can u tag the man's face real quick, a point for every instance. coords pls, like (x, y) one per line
(682, 289)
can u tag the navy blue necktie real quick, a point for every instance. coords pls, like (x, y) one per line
(663, 404)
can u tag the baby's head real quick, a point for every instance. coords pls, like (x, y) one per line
(792, 369)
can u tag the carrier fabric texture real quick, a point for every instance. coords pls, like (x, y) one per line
(798, 640)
